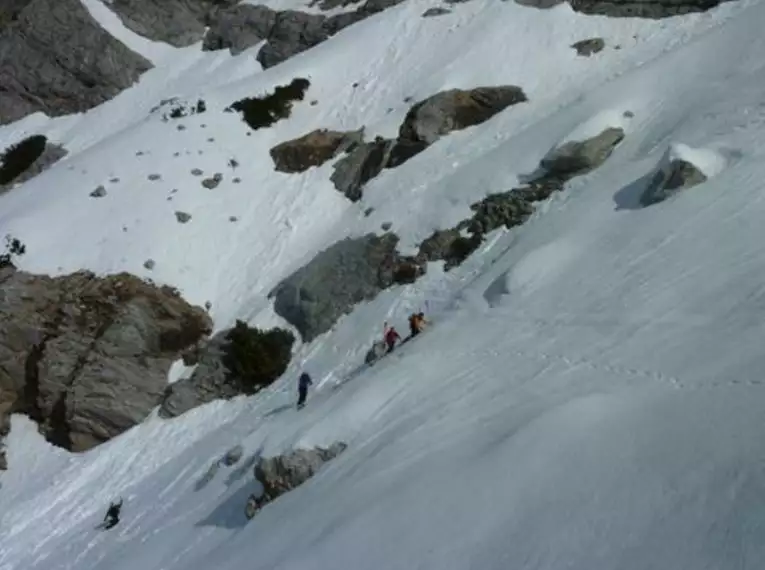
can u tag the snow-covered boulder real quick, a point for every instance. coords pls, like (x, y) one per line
(456, 109)
(282, 473)
(578, 157)
(678, 169)
(588, 47)
(55, 58)
(87, 357)
(313, 149)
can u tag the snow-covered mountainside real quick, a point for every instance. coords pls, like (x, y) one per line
(589, 391)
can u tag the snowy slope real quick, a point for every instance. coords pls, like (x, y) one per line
(590, 395)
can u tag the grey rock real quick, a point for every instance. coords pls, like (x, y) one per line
(55, 58)
(315, 296)
(99, 192)
(210, 183)
(149, 264)
(218, 177)
(579, 157)
(670, 178)
(87, 357)
(197, 172)
(456, 109)
(362, 164)
(332, 4)
(643, 8)
(233, 219)
(233, 456)
(281, 474)
(386, 226)
(589, 47)
(114, 180)
(155, 177)
(236, 180)
(540, 4)
(313, 149)
(436, 11)
(177, 22)
(239, 28)
(182, 217)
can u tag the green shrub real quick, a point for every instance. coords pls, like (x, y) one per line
(19, 157)
(256, 358)
(260, 112)
(13, 248)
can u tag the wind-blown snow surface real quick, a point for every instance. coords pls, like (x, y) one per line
(590, 394)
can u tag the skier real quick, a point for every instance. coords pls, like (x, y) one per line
(303, 382)
(391, 336)
(417, 323)
(112, 515)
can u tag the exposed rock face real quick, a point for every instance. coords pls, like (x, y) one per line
(177, 22)
(208, 382)
(436, 11)
(313, 149)
(643, 8)
(51, 155)
(456, 109)
(332, 283)
(55, 58)
(287, 32)
(362, 164)
(579, 157)
(87, 357)
(670, 178)
(589, 47)
(281, 474)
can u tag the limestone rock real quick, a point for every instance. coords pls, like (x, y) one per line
(672, 176)
(99, 192)
(281, 474)
(182, 217)
(55, 58)
(362, 164)
(435, 11)
(456, 109)
(579, 157)
(87, 357)
(313, 149)
(589, 47)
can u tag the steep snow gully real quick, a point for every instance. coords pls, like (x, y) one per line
(590, 392)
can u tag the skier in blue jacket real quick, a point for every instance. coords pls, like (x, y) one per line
(303, 383)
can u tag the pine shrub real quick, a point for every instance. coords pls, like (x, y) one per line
(260, 112)
(19, 157)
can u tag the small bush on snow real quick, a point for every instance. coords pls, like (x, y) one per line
(19, 157)
(13, 248)
(256, 358)
(259, 112)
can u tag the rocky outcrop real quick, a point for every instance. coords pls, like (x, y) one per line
(55, 58)
(240, 360)
(177, 22)
(332, 283)
(643, 8)
(313, 149)
(281, 474)
(586, 48)
(362, 164)
(286, 33)
(456, 109)
(579, 157)
(435, 11)
(425, 123)
(87, 357)
(672, 176)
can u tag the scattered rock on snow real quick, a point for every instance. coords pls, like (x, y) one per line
(155, 177)
(87, 357)
(589, 47)
(435, 11)
(99, 192)
(313, 149)
(672, 175)
(643, 8)
(182, 217)
(281, 474)
(149, 264)
(197, 172)
(213, 182)
(579, 157)
(359, 166)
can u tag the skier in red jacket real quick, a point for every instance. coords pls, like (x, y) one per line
(391, 336)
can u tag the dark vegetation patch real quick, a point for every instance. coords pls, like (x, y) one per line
(260, 112)
(13, 248)
(19, 157)
(256, 358)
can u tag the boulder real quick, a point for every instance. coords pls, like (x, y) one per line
(315, 296)
(643, 8)
(177, 22)
(55, 58)
(456, 109)
(281, 474)
(575, 158)
(589, 47)
(435, 11)
(233, 456)
(87, 357)
(672, 176)
(313, 149)
(362, 164)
